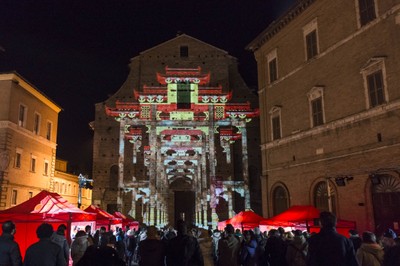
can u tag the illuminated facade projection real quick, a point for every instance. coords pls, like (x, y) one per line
(180, 147)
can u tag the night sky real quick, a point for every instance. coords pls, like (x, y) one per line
(77, 52)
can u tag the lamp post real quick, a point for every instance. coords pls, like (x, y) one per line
(83, 183)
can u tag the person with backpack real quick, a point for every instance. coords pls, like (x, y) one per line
(296, 252)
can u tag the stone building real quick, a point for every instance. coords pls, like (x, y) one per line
(28, 143)
(178, 139)
(330, 110)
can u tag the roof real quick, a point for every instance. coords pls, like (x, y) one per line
(277, 25)
(46, 207)
(26, 85)
(183, 36)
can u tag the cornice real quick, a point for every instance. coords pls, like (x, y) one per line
(277, 25)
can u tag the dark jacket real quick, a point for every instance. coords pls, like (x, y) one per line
(44, 253)
(100, 256)
(151, 252)
(392, 256)
(328, 248)
(228, 251)
(10, 254)
(275, 251)
(184, 250)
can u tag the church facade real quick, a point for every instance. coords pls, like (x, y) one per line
(179, 139)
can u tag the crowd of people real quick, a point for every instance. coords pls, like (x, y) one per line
(183, 247)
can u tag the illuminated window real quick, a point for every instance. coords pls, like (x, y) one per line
(321, 197)
(18, 155)
(183, 99)
(36, 125)
(219, 112)
(46, 168)
(374, 75)
(145, 112)
(315, 98)
(366, 11)
(33, 164)
(48, 130)
(14, 197)
(184, 51)
(22, 115)
(311, 39)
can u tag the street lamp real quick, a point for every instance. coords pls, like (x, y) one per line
(83, 183)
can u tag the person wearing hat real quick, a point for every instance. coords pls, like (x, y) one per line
(388, 238)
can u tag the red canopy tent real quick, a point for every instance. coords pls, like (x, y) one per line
(104, 218)
(244, 220)
(44, 207)
(304, 218)
(126, 221)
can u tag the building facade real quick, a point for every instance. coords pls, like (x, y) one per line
(177, 139)
(28, 143)
(330, 110)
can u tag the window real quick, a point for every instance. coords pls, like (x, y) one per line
(366, 11)
(48, 130)
(281, 200)
(375, 88)
(316, 101)
(46, 167)
(272, 66)
(374, 74)
(36, 125)
(276, 127)
(184, 51)
(18, 155)
(14, 197)
(321, 197)
(311, 39)
(33, 164)
(276, 123)
(316, 107)
(22, 115)
(311, 44)
(183, 98)
(273, 74)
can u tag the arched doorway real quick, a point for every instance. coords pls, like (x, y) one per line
(385, 201)
(280, 199)
(183, 199)
(321, 196)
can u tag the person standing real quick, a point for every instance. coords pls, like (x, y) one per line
(10, 253)
(44, 252)
(369, 253)
(58, 237)
(296, 252)
(228, 248)
(151, 250)
(355, 238)
(79, 246)
(328, 248)
(184, 250)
